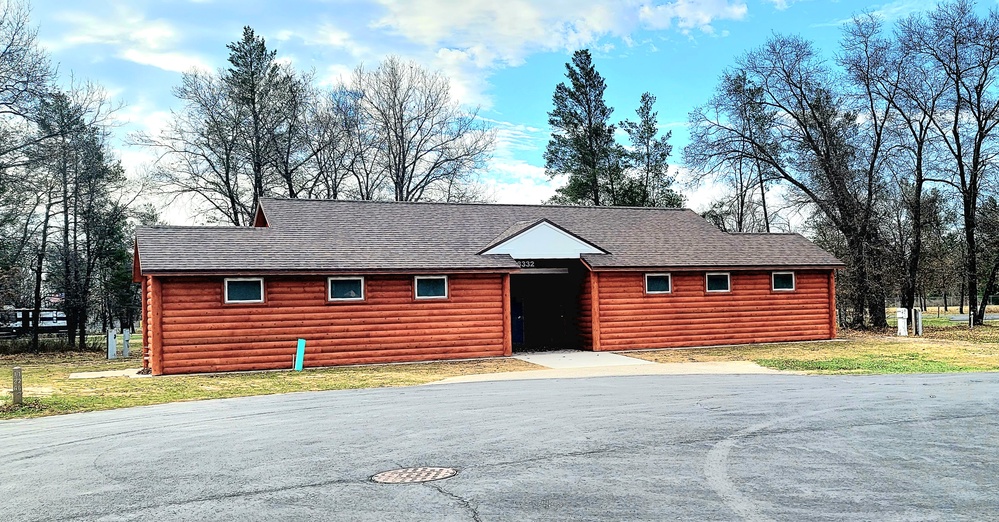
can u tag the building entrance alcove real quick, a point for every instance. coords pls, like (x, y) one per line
(544, 305)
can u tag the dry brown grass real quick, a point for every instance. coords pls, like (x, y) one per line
(49, 390)
(942, 349)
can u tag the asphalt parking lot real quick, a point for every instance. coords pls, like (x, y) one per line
(663, 447)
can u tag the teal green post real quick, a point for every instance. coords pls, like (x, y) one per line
(300, 355)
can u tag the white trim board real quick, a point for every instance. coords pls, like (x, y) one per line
(544, 241)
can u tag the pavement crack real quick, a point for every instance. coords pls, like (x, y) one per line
(208, 498)
(460, 500)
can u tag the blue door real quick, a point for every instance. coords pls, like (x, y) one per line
(517, 321)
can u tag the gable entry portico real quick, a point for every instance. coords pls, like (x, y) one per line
(545, 304)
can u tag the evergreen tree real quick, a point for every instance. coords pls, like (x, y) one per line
(259, 84)
(582, 143)
(648, 157)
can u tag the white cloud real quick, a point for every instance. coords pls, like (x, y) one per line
(506, 32)
(132, 37)
(469, 39)
(168, 61)
(518, 182)
(781, 5)
(692, 14)
(513, 180)
(328, 35)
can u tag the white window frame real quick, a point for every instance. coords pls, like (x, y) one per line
(773, 286)
(728, 277)
(659, 292)
(329, 288)
(225, 289)
(416, 287)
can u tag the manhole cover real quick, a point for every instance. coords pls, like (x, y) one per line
(410, 475)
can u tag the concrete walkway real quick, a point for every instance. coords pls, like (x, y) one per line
(579, 364)
(563, 364)
(563, 359)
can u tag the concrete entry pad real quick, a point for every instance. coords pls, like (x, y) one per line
(577, 359)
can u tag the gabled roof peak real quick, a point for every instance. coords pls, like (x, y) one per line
(540, 239)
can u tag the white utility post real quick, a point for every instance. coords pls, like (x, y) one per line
(126, 335)
(902, 314)
(112, 345)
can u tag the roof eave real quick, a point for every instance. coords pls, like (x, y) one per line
(329, 272)
(694, 268)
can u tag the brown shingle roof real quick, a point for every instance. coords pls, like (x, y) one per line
(326, 236)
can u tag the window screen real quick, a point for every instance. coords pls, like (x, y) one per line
(657, 283)
(718, 283)
(428, 287)
(346, 289)
(783, 281)
(244, 290)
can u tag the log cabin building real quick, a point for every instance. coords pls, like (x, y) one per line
(376, 282)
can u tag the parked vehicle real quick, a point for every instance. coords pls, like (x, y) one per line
(15, 322)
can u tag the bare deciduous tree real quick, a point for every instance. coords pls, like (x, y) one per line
(953, 42)
(426, 140)
(816, 143)
(200, 150)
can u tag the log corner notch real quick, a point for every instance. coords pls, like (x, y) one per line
(155, 325)
(595, 309)
(832, 304)
(507, 318)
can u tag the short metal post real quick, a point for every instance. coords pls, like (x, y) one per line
(126, 335)
(112, 345)
(18, 391)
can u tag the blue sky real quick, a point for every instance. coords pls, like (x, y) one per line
(504, 56)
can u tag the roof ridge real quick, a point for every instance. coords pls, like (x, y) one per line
(468, 204)
(763, 234)
(199, 227)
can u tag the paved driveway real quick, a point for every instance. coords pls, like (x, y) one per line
(749, 447)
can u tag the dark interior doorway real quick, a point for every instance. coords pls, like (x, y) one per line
(544, 303)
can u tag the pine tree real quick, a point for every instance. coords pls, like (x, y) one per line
(258, 84)
(648, 156)
(582, 143)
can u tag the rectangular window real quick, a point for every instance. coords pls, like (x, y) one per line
(658, 284)
(783, 281)
(346, 289)
(248, 290)
(718, 282)
(431, 287)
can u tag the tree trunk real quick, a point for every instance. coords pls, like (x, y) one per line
(960, 308)
(763, 197)
(916, 210)
(39, 269)
(859, 278)
(972, 271)
(990, 288)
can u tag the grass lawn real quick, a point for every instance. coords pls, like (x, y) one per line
(49, 391)
(941, 349)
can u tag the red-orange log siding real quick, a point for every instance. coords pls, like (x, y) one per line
(201, 334)
(689, 316)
